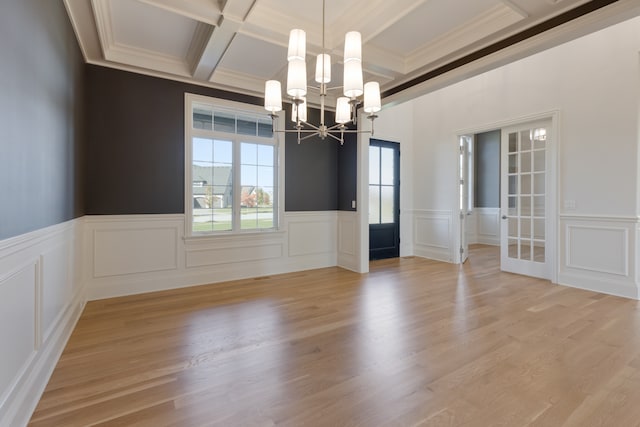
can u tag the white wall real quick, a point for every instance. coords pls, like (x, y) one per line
(594, 84)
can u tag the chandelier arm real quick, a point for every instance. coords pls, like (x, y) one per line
(312, 126)
(334, 137)
(357, 131)
(297, 131)
(307, 137)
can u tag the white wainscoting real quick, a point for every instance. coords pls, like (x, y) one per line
(483, 226)
(134, 254)
(600, 254)
(41, 298)
(348, 240)
(433, 234)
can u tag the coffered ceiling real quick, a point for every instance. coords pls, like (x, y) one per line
(238, 44)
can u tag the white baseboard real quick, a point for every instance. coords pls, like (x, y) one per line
(608, 286)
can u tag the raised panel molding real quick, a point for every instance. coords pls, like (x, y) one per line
(207, 257)
(165, 259)
(610, 255)
(126, 251)
(599, 253)
(18, 327)
(433, 236)
(347, 235)
(312, 234)
(40, 302)
(348, 240)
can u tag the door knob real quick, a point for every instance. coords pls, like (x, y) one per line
(504, 217)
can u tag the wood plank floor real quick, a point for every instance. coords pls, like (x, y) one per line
(413, 343)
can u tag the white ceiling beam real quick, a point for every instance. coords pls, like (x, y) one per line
(209, 45)
(214, 48)
(200, 10)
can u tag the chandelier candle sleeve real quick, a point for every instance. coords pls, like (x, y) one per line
(343, 110)
(353, 46)
(323, 68)
(272, 96)
(299, 112)
(352, 79)
(297, 78)
(372, 102)
(297, 45)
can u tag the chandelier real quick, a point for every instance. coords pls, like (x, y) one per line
(346, 106)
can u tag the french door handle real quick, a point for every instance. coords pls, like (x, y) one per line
(504, 217)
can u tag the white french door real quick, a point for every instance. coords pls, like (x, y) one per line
(525, 199)
(465, 146)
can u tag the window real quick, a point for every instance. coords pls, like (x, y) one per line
(232, 175)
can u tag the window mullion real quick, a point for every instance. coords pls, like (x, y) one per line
(237, 196)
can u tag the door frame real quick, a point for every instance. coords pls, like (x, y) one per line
(552, 237)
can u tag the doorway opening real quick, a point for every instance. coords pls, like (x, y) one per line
(384, 199)
(479, 202)
(507, 190)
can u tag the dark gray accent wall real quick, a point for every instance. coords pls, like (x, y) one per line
(311, 169)
(319, 175)
(347, 172)
(135, 141)
(41, 132)
(135, 148)
(487, 170)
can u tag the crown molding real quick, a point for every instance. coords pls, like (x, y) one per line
(481, 27)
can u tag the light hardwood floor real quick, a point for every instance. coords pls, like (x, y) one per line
(413, 343)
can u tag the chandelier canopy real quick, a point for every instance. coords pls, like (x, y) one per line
(352, 89)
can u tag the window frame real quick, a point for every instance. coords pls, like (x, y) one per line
(237, 139)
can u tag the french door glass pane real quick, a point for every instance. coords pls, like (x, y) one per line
(374, 204)
(525, 249)
(539, 251)
(525, 162)
(525, 184)
(539, 161)
(513, 248)
(374, 165)
(386, 206)
(387, 171)
(513, 142)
